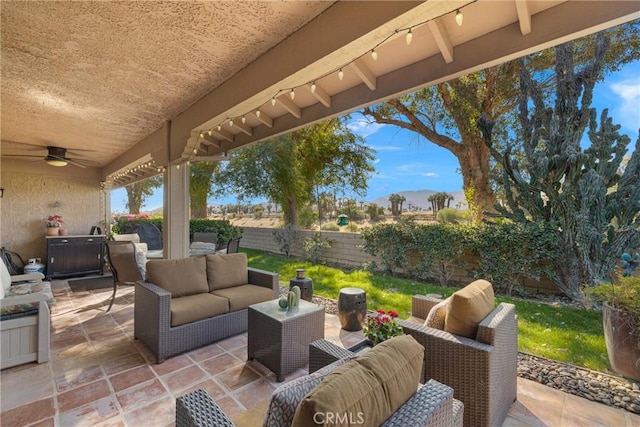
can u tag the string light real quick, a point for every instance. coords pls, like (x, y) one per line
(374, 55)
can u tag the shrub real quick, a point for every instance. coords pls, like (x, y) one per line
(389, 242)
(330, 226)
(451, 216)
(441, 247)
(286, 237)
(352, 227)
(307, 217)
(312, 247)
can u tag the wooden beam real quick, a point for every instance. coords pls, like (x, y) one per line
(364, 73)
(243, 127)
(524, 16)
(264, 118)
(442, 39)
(289, 105)
(223, 134)
(321, 95)
(210, 140)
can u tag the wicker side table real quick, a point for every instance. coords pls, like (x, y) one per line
(279, 339)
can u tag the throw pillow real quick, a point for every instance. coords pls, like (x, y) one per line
(287, 397)
(366, 390)
(468, 307)
(227, 270)
(180, 277)
(437, 314)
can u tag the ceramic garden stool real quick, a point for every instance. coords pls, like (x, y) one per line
(352, 308)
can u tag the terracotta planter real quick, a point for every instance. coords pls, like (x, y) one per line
(623, 346)
(53, 231)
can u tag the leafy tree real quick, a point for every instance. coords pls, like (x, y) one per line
(446, 114)
(374, 211)
(440, 201)
(200, 187)
(138, 192)
(396, 201)
(593, 202)
(287, 169)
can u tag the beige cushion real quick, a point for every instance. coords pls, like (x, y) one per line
(226, 270)
(196, 307)
(134, 237)
(181, 277)
(244, 295)
(437, 314)
(370, 388)
(467, 307)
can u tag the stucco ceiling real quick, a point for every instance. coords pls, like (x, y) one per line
(120, 83)
(100, 76)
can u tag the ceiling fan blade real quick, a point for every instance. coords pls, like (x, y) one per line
(20, 155)
(73, 162)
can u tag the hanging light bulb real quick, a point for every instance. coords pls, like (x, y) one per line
(341, 74)
(230, 122)
(219, 128)
(273, 101)
(201, 135)
(374, 54)
(409, 37)
(209, 132)
(257, 113)
(195, 151)
(313, 86)
(459, 17)
(244, 119)
(178, 167)
(293, 94)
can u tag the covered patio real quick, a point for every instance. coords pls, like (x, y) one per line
(100, 375)
(132, 89)
(135, 89)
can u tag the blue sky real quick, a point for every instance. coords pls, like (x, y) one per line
(406, 162)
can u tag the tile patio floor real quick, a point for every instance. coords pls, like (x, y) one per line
(99, 375)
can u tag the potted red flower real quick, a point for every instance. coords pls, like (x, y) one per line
(382, 326)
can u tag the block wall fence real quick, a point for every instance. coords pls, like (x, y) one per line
(346, 250)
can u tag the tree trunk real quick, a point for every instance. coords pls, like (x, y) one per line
(474, 164)
(134, 197)
(198, 204)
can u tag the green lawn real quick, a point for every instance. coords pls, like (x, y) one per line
(567, 334)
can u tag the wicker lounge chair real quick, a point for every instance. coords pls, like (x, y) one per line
(482, 372)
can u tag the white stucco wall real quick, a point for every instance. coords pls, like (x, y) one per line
(30, 192)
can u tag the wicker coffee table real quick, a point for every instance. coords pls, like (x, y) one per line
(279, 339)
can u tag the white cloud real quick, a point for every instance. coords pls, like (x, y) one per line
(627, 111)
(431, 175)
(376, 161)
(364, 128)
(414, 168)
(386, 147)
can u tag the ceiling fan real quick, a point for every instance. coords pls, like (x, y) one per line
(56, 156)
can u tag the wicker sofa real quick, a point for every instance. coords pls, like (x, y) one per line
(482, 370)
(379, 387)
(190, 302)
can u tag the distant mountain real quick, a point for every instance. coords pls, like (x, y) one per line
(419, 198)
